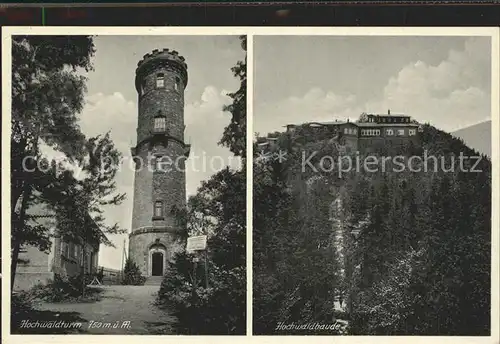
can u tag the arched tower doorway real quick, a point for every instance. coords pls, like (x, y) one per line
(157, 264)
(157, 260)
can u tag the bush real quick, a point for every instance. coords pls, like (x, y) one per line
(218, 309)
(132, 274)
(20, 304)
(64, 289)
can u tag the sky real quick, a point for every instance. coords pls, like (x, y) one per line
(111, 105)
(445, 81)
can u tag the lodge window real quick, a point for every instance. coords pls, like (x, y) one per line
(158, 211)
(401, 132)
(389, 132)
(412, 132)
(160, 80)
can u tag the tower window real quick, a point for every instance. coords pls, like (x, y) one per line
(177, 83)
(158, 211)
(160, 124)
(160, 80)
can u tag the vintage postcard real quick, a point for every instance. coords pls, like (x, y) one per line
(348, 193)
(127, 184)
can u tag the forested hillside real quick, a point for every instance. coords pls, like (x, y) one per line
(413, 254)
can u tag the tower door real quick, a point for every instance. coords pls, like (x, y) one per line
(157, 264)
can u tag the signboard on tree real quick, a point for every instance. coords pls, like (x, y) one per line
(196, 243)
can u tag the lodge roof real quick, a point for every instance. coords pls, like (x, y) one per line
(358, 124)
(373, 124)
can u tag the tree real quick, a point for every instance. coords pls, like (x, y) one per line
(84, 197)
(234, 136)
(47, 96)
(132, 274)
(296, 262)
(420, 263)
(47, 93)
(217, 210)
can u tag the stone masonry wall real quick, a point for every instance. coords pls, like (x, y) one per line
(169, 185)
(142, 212)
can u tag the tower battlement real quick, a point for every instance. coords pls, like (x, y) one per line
(156, 58)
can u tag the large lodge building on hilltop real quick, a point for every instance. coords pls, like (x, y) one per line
(369, 131)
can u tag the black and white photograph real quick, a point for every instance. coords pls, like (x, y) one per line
(354, 196)
(372, 184)
(127, 182)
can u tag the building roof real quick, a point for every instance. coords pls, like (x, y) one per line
(387, 115)
(360, 124)
(373, 124)
(364, 123)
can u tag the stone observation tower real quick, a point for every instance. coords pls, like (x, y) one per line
(160, 153)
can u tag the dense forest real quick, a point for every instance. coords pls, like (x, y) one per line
(407, 252)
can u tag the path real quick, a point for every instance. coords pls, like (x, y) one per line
(118, 305)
